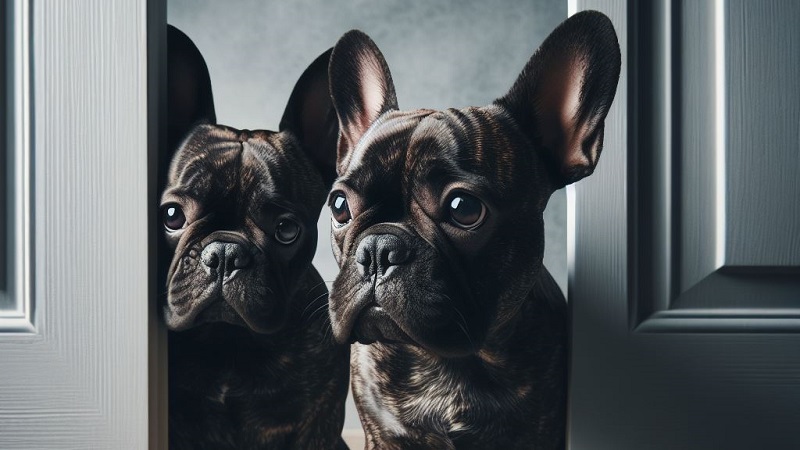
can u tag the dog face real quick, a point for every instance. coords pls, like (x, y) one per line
(437, 215)
(240, 207)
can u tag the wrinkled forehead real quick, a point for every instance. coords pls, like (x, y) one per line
(482, 146)
(378, 158)
(216, 162)
(207, 152)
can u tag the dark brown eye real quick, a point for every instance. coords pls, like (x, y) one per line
(287, 231)
(172, 216)
(339, 209)
(466, 211)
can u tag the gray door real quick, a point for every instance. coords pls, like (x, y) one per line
(685, 249)
(76, 364)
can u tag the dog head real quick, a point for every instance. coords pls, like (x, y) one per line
(240, 207)
(437, 215)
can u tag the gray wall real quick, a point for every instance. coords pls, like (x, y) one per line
(441, 54)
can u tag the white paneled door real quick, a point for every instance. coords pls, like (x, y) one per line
(685, 251)
(75, 315)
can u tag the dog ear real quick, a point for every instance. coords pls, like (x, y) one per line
(361, 88)
(563, 94)
(310, 116)
(188, 87)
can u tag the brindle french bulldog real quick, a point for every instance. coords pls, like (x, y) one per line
(438, 231)
(252, 364)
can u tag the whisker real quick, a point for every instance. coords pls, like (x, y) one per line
(327, 333)
(318, 309)
(315, 286)
(312, 302)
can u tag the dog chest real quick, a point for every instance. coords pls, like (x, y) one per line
(399, 391)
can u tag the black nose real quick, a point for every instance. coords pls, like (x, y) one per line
(377, 253)
(230, 256)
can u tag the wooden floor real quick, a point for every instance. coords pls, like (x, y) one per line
(354, 439)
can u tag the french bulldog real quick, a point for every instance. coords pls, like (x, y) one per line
(460, 332)
(252, 363)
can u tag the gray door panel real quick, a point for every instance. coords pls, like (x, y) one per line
(685, 253)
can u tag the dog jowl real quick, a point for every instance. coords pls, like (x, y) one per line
(438, 231)
(251, 361)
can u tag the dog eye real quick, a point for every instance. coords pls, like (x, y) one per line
(339, 209)
(287, 231)
(466, 211)
(172, 216)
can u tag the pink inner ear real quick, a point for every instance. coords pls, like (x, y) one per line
(373, 90)
(558, 108)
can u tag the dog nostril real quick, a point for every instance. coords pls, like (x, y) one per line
(210, 259)
(397, 256)
(230, 255)
(391, 250)
(363, 257)
(238, 259)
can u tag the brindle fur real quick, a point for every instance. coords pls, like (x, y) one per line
(464, 345)
(252, 362)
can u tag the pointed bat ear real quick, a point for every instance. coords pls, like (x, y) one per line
(361, 88)
(563, 95)
(188, 86)
(310, 116)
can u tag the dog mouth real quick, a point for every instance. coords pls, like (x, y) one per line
(219, 307)
(365, 319)
(374, 324)
(367, 313)
(240, 297)
(380, 296)
(220, 311)
(362, 318)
